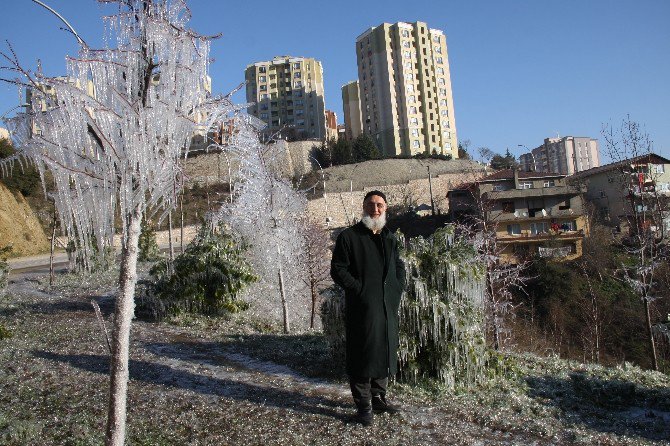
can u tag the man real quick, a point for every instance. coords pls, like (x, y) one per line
(367, 265)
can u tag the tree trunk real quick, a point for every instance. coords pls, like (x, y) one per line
(312, 288)
(123, 314)
(650, 334)
(284, 305)
(170, 242)
(53, 246)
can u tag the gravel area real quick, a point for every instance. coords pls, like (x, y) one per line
(233, 381)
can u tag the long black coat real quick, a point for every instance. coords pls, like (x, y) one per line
(373, 281)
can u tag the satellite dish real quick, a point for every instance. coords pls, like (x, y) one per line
(516, 214)
(544, 213)
(525, 214)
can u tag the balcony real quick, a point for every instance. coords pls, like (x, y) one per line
(527, 237)
(535, 192)
(523, 214)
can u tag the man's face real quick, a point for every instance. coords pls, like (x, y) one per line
(374, 206)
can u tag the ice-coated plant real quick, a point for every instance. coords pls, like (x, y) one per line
(111, 132)
(442, 312)
(267, 212)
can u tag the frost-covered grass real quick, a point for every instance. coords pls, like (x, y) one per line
(203, 381)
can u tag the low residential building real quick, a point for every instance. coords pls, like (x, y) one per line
(566, 155)
(532, 213)
(624, 192)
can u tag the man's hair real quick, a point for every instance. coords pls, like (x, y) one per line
(375, 192)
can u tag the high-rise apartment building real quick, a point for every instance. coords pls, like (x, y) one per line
(331, 125)
(567, 155)
(351, 103)
(287, 93)
(405, 92)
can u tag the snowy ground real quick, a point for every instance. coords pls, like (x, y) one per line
(200, 381)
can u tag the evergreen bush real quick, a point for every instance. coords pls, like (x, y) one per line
(206, 278)
(147, 245)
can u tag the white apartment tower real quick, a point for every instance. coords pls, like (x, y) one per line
(287, 93)
(567, 155)
(351, 103)
(406, 102)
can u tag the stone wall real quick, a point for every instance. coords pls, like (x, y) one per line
(341, 208)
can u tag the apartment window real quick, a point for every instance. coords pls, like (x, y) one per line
(264, 106)
(296, 65)
(563, 205)
(445, 124)
(539, 227)
(414, 121)
(549, 183)
(436, 38)
(298, 102)
(412, 110)
(416, 144)
(261, 78)
(263, 88)
(405, 44)
(659, 168)
(300, 122)
(443, 91)
(275, 122)
(406, 54)
(444, 112)
(408, 65)
(446, 134)
(300, 111)
(438, 59)
(443, 102)
(514, 229)
(261, 69)
(415, 132)
(447, 145)
(499, 187)
(440, 70)
(569, 225)
(410, 88)
(508, 207)
(274, 114)
(298, 84)
(441, 81)
(411, 99)
(264, 96)
(526, 185)
(438, 49)
(405, 33)
(264, 116)
(297, 75)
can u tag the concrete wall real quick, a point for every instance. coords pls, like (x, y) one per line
(343, 207)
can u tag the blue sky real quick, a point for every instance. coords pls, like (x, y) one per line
(522, 70)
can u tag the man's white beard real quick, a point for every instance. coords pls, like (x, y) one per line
(374, 224)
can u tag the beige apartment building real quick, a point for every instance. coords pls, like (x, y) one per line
(406, 101)
(567, 155)
(288, 95)
(351, 103)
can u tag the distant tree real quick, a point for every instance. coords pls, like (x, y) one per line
(341, 153)
(323, 153)
(463, 149)
(23, 177)
(364, 149)
(504, 162)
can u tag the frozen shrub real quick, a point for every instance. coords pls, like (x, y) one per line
(441, 312)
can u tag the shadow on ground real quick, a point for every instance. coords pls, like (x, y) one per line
(160, 374)
(613, 406)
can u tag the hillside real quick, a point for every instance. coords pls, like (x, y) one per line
(19, 226)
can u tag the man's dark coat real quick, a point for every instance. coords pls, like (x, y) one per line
(373, 281)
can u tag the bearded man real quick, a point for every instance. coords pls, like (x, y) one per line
(366, 263)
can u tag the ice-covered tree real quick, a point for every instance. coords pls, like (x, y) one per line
(111, 132)
(267, 212)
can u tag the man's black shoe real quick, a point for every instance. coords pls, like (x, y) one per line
(364, 416)
(380, 405)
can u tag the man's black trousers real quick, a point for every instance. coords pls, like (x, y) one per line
(363, 389)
